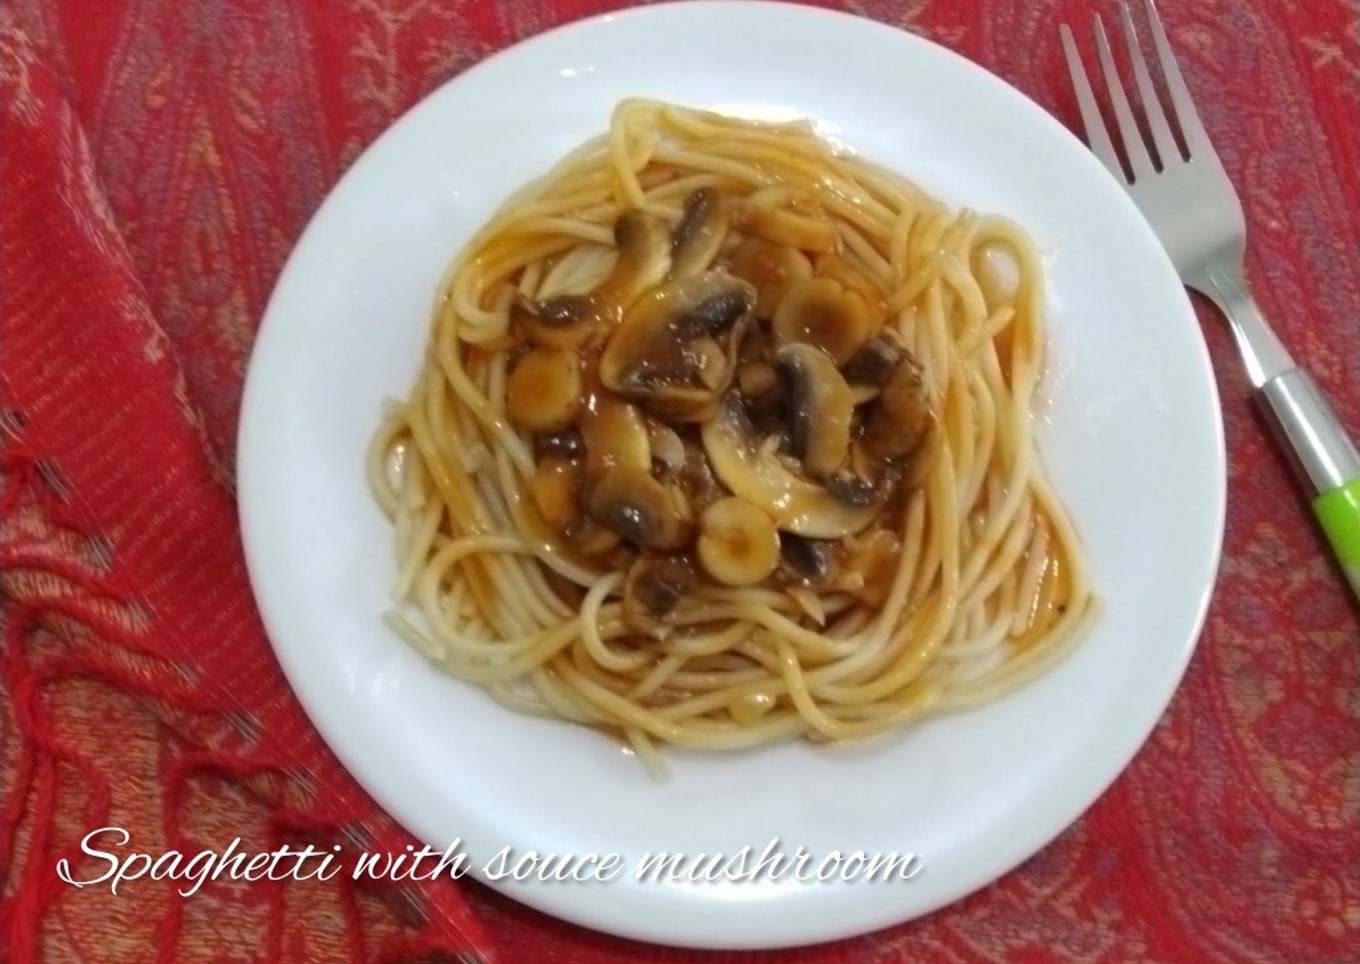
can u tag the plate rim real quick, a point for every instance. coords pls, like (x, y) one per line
(541, 898)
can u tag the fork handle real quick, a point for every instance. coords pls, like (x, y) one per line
(1325, 456)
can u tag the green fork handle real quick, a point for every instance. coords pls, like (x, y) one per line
(1325, 456)
(1338, 512)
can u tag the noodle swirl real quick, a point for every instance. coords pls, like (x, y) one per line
(954, 572)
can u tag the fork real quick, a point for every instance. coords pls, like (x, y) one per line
(1188, 199)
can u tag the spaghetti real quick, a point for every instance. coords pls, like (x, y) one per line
(723, 437)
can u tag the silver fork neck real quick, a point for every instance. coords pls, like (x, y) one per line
(1263, 354)
(1299, 414)
(1301, 417)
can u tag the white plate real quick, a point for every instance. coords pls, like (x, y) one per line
(1131, 433)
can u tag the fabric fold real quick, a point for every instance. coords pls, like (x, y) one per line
(119, 537)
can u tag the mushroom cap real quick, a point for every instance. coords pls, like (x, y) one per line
(615, 435)
(902, 416)
(564, 322)
(809, 561)
(823, 312)
(668, 449)
(666, 355)
(853, 488)
(544, 392)
(644, 244)
(635, 506)
(738, 542)
(569, 321)
(756, 474)
(655, 584)
(699, 234)
(876, 360)
(771, 268)
(820, 408)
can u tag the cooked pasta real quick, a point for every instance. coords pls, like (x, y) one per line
(723, 436)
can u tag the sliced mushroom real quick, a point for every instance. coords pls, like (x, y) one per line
(635, 506)
(868, 474)
(901, 418)
(752, 471)
(556, 487)
(876, 360)
(615, 435)
(665, 354)
(771, 268)
(823, 312)
(551, 324)
(808, 561)
(567, 445)
(668, 450)
(819, 410)
(699, 235)
(544, 391)
(644, 259)
(787, 216)
(855, 487)
(711, 363)
(738, 542)
(898, 424)
(654, 586)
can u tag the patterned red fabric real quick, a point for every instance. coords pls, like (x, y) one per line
(158, 158)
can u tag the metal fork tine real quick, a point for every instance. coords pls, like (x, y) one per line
(1152, 104)
(1140, 163)
(1182, 104)
(1096, 134)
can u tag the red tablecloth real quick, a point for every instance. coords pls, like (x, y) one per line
(158, 158)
